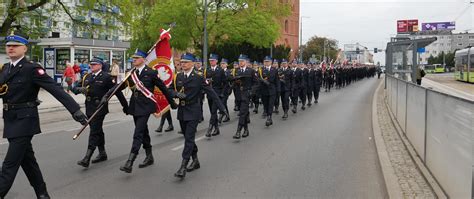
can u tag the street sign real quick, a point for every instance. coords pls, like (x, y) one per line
(421, 50)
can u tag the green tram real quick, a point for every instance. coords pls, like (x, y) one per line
(464, 67)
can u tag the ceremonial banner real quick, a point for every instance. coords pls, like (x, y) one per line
(160, 58)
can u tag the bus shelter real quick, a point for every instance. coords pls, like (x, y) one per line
(402, 56)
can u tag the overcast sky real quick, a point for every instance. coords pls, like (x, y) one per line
(373, 22)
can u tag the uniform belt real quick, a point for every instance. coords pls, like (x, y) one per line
(89, 98)
(184, 102)
(32, 104)
(242, 88)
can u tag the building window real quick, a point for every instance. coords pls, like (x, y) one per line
(286, 26)
(459, 37)
(471, 37)
(459, 44)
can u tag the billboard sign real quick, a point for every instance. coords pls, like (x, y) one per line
(407, 26)
(438, 26)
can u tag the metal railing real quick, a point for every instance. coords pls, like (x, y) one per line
(441, 129)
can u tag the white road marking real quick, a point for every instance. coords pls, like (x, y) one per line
(182, 146)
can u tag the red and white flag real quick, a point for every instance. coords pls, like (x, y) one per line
(160, 58)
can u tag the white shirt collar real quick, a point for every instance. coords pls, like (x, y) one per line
(16, 62)
(97, 73)
(140, 69)
(243, 68)
(214, 67)
(186, 74)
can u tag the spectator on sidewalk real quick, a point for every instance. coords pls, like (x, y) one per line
(420, 73)
(69, 76)
(114, 71)
(84, 67)
(77, 69)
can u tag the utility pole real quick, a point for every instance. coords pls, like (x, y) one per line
(301, 38)
(204, 51)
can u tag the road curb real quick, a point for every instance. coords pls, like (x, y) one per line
(391, 180)
(437, 189)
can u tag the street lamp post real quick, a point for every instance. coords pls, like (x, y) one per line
(204, 51)
(301, 38)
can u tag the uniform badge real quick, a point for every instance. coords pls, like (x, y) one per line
(40, 71)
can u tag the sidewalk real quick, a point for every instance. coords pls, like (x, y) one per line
(50, 104)
(403, 177)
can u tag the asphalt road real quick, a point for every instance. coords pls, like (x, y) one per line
(326, 151)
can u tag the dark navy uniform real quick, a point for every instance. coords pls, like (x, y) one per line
(304, 87)
(310, 86)
(269, 82)
(94, 86)
(226, 91)
(297, 85)
(188, 88)
(244, 79)
(318, 80)
(217, 79)
(141, 107)
(21, 120)
(189, 112)
(286, 79)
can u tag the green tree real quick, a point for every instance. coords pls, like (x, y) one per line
(35, 17)
(315, 46)
(448, 59)
(254, 22)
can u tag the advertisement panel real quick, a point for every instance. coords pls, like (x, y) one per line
(402, 26)
(438, 26)
(407, 26)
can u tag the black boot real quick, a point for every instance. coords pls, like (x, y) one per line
(127, 167)
(194, 164)
(226, 119)
(276, 111)
(159, 129)
(216, 131)
(87, 159)
(170, 128)
(101, 157)
(42, 196)
(209, 130)
(148, 159)
(285, 114)
(237, 134)
(303, 108)
(221, 117)
(181, 173)
(269, 121)
(246, 132)
(294, 110)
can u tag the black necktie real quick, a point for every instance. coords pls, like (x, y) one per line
(10, 66)
(93, 75)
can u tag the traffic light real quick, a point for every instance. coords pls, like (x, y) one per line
(357, 50)
(375, 50)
